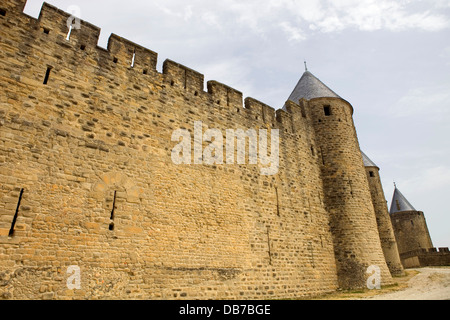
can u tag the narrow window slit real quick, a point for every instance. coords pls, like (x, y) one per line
(13, 224)
(111, 225)
(83, 47)
(278, 201)
(145, 71)
(69, 33)
(47, 75)
(46, 30)
(115, 60)
(269, 251)
(327, 110)
(2, 12)
(351, 187)
(133, 59)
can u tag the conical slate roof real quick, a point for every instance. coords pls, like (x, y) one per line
(367, 161)
(309, 87)
(400, 203)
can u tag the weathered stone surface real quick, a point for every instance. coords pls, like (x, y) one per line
(92, 152)
(385, 228)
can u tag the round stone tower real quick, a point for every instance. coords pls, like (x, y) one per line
(410, 226)
(347, 197)
(385, 229)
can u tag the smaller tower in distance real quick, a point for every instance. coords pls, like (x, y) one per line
(410, 226)
(385, 229)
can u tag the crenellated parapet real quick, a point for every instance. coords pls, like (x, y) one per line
(16, 6)
(54, 22)
(89, 133)
(224, 95)
(183, 77)
(267, 113)
(123, 55)
(131, 55)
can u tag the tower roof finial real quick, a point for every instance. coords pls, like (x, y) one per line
(400, 203)
(309, 87)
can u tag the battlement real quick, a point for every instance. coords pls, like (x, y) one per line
(183, 77)
(267, 112)
(90, 177)
(224, 95)
(426, 257)
(130, 54)
(406, 215)
(122, 54)
(424, 251)
(13, 5)
(54, 21)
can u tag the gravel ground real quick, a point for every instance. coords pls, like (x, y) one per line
(431, 283)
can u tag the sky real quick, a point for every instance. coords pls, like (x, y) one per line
(389, 58)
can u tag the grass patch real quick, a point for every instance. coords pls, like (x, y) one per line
(400, 283)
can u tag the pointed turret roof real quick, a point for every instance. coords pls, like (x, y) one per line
(310, 87)
(400, 203)
(367, 161)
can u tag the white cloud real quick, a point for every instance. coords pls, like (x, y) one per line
(211, 19)
(298, 20)
(370, 15)
(429, 179)
(446, 55)
(336, 15)
(293, 33)
(188, 13)
(325, 16)
(433, 102)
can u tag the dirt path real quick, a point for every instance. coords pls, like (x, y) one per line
(429, 284)
(432, 283)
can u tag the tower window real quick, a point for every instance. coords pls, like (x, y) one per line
(47, 75)
(372, 174)
(2, 12)
(327, 110)
(46, 30)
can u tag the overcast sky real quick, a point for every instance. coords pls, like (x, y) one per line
(389, 59)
